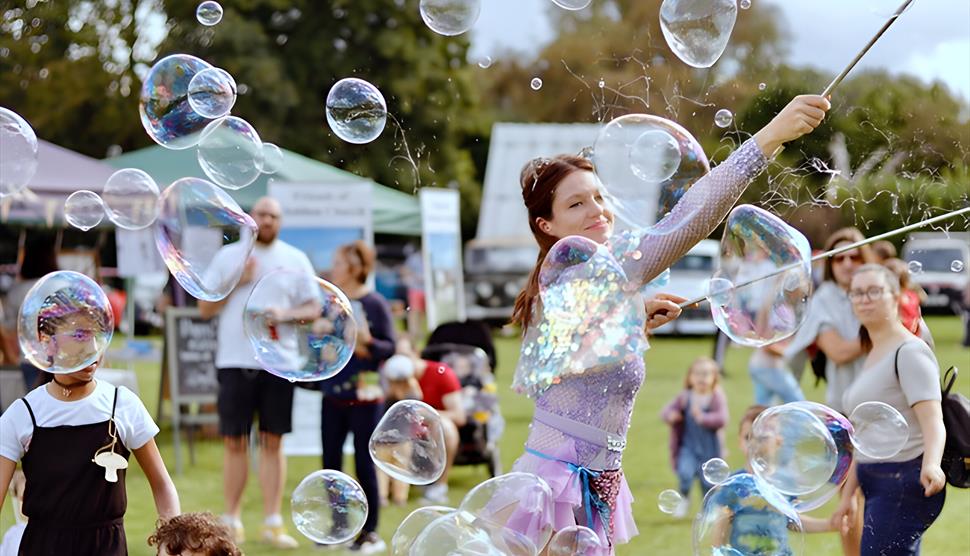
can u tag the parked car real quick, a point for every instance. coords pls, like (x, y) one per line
(496, 270)
(688, 278)
(943, 268)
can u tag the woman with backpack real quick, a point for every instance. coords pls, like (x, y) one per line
(900, 370)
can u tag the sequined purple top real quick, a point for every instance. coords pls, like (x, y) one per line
(582, 356)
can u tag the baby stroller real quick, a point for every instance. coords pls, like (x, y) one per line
(484, 427)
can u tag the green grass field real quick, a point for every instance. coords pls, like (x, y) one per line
(645, 461)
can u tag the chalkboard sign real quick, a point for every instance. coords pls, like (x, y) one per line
(190, 344)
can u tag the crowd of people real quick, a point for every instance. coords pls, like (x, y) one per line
(861, 321)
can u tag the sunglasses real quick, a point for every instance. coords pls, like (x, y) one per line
(843, 258)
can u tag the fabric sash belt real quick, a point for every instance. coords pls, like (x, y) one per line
(582, 431)
(591, 500)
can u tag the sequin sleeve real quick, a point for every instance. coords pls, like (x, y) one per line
(644, 255)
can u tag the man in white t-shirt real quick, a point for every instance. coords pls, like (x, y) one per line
(246, 390)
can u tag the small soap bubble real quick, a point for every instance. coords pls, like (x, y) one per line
(601, 84)
(576, 540)
(669, 500)
(956, 265)
(272, 158)
(329, 507)
(511, 499)
(915, 267)
(212, 92)
(698, 32)
(723, 117)
(572, 5)
(655, 156)
(536, 84)
(880, 430)
(209, 13)
(65, 323)
(230, 152)
(762, 86)
(84, 209)
(131, 199)
(450, 17)
(715, 471)
(745, 4)
(485, 62)
(356, 111)
(409, 443)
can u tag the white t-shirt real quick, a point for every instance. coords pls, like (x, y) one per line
(134, 425)
(234, 347)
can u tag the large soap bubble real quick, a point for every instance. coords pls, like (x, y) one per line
(792, 450)
(409, 443)
(518, 501)
(204, 237)
(301, 327)
(131, 199)
(450, 17)
(164, 102)
(209, 13)
(642, 158)
(745, 515)
(880, 430)
(329, 507)
(576, 540)
(212, 92)
(231, 153)
(757, 243)
(697, 31)
(18, 152)
(841, 430)
(412, 526)
(356, 111)
(463, 534)
(83, 209)
(65, 323)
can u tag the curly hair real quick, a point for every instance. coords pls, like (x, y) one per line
(202, 533)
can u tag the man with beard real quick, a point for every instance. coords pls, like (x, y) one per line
(244, 388)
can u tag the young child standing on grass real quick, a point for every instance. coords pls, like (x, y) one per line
(696, 417)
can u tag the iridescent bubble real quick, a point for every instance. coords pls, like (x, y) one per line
(131, 199)
(880, 430)
(622, 165)
(572, 5)
(356, 111)
(329, 507)
(792, 450)
(668, 500)
(409, 443)
(697, 31)
(485, 62)
(231, 153)
(536, 84)
(212, 92)
(744, 4)
(83, 209)
(18, 143)
(209, 13)
(301, 327)
(576, 540)
(715, 470)
(841, 431)
(655, 156)
(412, 526)
(204, 237)
(723, 117)
(450, 17)
(272, 158)
(915, 267)
(65, 323)
(514, 498)
(956, 265)
(164, 102)
(463, 534)
(762, 86)
(755, 244)
(745, 515)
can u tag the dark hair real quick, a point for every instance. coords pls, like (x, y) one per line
(889, 277)
(846, 235)
(40, 256)
(361, 257)
(883, 250)
(750, 415)
(901, 270)
(539, 180)
(197, 532)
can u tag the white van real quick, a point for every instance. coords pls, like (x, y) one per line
(944, 259)
(688, 278)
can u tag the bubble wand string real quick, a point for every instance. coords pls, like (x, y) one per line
(838, 79)
(836, 251)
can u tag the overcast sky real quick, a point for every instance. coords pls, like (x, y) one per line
(931, 40)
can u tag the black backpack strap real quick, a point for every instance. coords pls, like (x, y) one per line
(949, 377)
(114, 403)
(30, 411)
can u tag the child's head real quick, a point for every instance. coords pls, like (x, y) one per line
(702, 375)
(193, 534)
(744, 428)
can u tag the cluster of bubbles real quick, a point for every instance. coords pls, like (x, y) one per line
(798, 455)
(18, 143)
(697, 31)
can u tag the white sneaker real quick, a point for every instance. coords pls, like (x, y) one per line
(436, 493)
(369, 543)
(682, 508)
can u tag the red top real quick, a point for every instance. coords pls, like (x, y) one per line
(437, 382)
(909, 311)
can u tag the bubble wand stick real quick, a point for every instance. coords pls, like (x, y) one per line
(836, 251)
